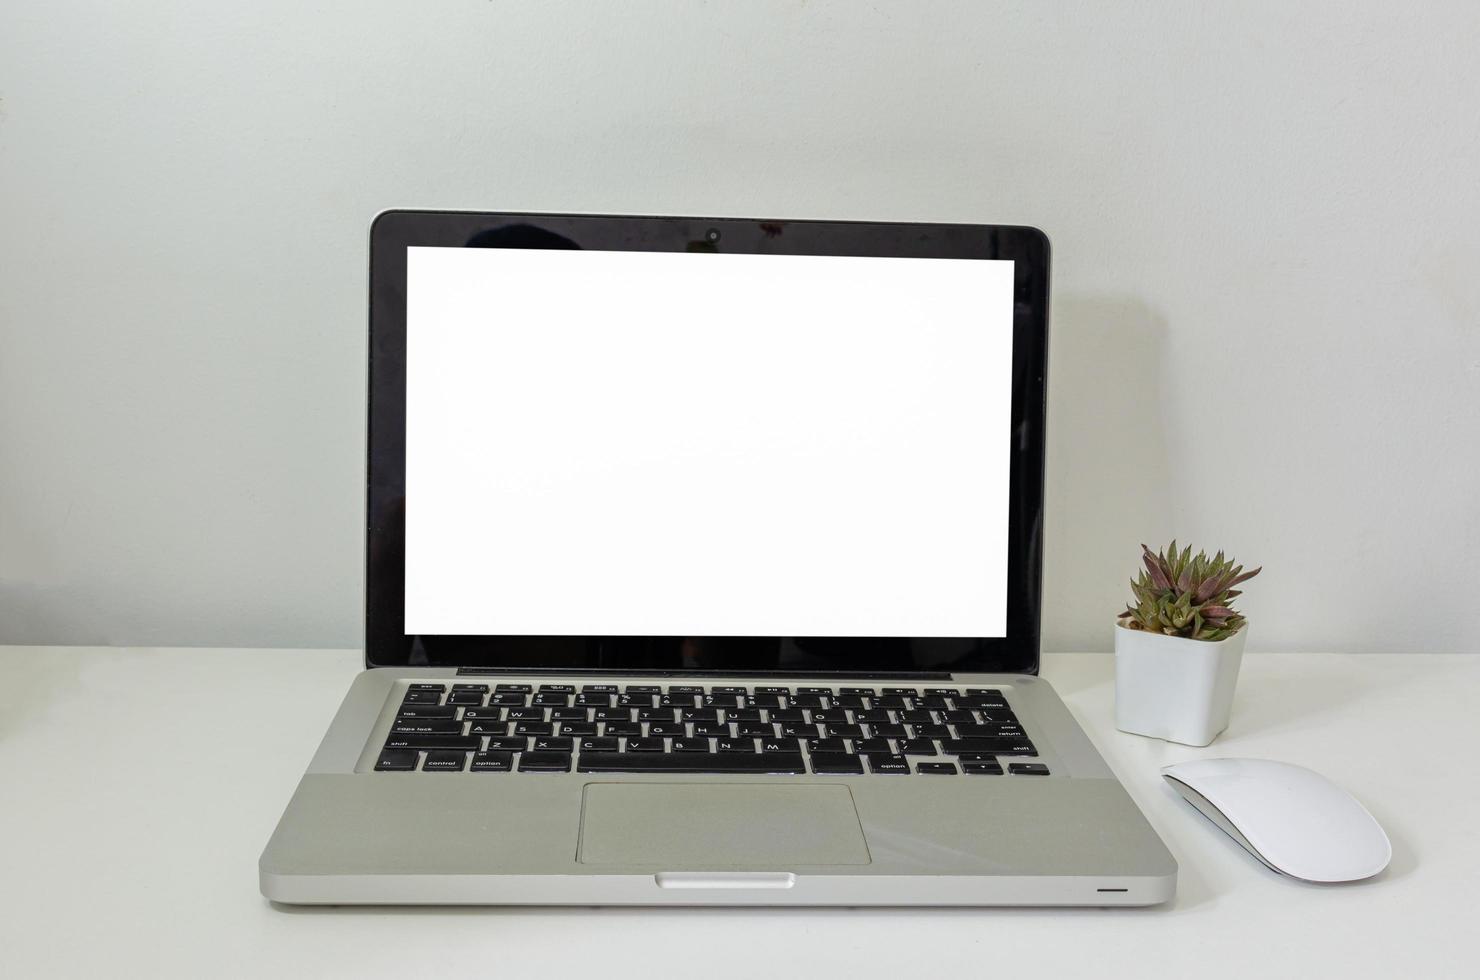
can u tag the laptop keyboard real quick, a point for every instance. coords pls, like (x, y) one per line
(762, 730)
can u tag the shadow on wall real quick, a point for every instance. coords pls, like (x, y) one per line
(1109, 478)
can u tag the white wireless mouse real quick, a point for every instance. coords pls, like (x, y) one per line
(1295, 821)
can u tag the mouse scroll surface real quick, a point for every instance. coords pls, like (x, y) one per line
(1294, 820)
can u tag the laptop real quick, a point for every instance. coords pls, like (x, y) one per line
(702, 568)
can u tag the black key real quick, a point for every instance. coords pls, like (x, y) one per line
(577, 728)
(754, 762)
(439, 688)
(691, 745)
(804, 701)
(740, 691)
(493, 762)
(427, 711)
(847, 701)
(743, 714)
(825, 692)
(980, 768)
(846, 731)
(544, 762)
(444, 761)
(461, 743)
(396, 760)
(533, 728)
(789, 714)
(507, 743)
(825, 745)
(837, 762)
(932, 701)
(892, 764)
(598, 745)
(707, 728)
(734, 744)
(990, 746)
(798, 730)
(772, 701)
(873, 716)
(1027, 769)
(557, 688)
(621, 728)
(550, 699)
(830, 715)
(634, 700)
(945, 692)
(685, 689)
(982, 703)
(598, 689)
(551, 743)
(570, 714)
(422, 697)
(435, 726)
(488, 727)
(613, 714)
(888, 701)
(773, 690)
(936, 768)
(676, 701)
(483, 714)
(655, 714)
(480, 688)
(642, 689)
(779, 745)
(754, 729)
(512, 689)
(672, 728)
(723, 701)
(506, 699)
(888, 731)
(916, 746)
(989, 691)
(646, 745)
(908, 692)
(873, 745)
(591, 699)
(977, 757)
(700, 714)
(959, 717)
(525, 714)
(931, 731)
(867, 692)
(464, 697)
(989, 731)
(916, 716)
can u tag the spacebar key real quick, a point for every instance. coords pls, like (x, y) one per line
(730, 762)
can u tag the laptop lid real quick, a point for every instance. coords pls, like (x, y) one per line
(704, 445)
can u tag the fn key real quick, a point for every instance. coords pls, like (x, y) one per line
(396, 760)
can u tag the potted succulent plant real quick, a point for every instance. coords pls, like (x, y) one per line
(1178, 646)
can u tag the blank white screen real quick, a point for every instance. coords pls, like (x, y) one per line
(640, 443)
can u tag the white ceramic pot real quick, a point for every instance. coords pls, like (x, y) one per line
(1174, 688)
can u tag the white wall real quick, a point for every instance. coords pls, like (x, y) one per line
(1266, 219)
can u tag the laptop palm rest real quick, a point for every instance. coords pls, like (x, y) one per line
(675, 827)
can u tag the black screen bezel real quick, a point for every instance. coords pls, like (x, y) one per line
(386, 643)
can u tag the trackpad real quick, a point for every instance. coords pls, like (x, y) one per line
(679, 826)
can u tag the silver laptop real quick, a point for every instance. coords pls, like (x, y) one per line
(703, 569)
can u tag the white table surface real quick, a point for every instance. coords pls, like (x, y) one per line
(137, 788)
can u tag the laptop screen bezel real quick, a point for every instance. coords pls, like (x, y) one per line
(387, 644)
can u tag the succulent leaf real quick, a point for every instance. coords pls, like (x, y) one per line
(1178, 593)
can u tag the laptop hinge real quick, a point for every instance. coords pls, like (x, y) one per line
(842, 675)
